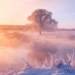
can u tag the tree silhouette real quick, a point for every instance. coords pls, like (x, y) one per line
(42, 17)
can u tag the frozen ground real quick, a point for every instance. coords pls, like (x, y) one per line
(43, 52)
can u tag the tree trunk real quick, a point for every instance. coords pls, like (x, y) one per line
(40, 31)
(40, 28)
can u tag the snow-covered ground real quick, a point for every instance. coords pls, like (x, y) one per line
(52, 53)
(56, 67)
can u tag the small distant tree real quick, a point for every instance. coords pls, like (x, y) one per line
(42, 17)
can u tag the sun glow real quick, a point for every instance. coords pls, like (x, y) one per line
(13, 12)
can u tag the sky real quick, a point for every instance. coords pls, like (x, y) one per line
(15, 12)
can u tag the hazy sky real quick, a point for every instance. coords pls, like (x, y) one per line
(16, 11)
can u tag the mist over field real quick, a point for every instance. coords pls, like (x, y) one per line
(37, 37)
(18, 45)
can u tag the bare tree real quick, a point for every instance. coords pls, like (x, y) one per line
(41, 17)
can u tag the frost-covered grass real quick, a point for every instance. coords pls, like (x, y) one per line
(54, 67)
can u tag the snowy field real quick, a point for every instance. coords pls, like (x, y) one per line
(23, 53)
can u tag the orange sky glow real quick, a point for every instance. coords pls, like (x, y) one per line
(15, 12)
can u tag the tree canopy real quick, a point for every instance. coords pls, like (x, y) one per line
(42, 17)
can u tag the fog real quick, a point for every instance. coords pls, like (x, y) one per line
(17, 45)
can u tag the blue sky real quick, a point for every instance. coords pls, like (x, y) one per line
(16, 11)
